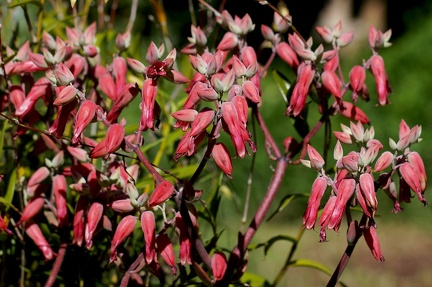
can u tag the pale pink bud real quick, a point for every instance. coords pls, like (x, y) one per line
(218, 265)
(301, 89)
(343, 137)
(404, 129)
(162, 192)
(63, 74)
(94, 215)
(89, 34)
(267, 33)
(136, 65)
(208, 94)
(59, 191)
(306, 54)
(176, 77)
(367, 210)
(248, 56)
(383, 161)
(415, 133)
(318, 189)
(317, 162)
(90, 51)
(372, 241)
(148, 226)
(353, 112)
(295, 42)
(357, 78)
(325, 33)
(122, 205)
(34, 232)
(66, 96)
(35, 59)
(345, 39)
(166, 250)
(125, 227)
(31, 209)
(357, 131)
(251, 91)
(416, 161)
(331, 83)
(152, 53)
(36, 179)
(338, 151)
(228, 42)
(222, 158)
(185, 115)
(123, 41)
(246, 24)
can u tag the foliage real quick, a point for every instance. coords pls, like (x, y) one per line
(112, 158)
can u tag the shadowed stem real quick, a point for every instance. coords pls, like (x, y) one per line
(57, 264)
(347, 255)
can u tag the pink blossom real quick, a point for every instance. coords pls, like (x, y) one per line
(162, 192)
(318, 189)
(34, 232)
(372, 241)
(124, 229)
(148, 226)
(222, 158)
(381, 79)
(219, 265)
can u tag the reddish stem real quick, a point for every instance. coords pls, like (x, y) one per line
(57, 264)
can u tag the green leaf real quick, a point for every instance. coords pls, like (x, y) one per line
(269, 243)
(285, 201)
(24, 3)
(283, 84)
(253, 279)
(11, 187)
(313, 264)
(3, 126)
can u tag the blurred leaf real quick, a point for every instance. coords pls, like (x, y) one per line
(24, 3)
(313, 264)
(285, 201)
(283, 84)
(267, 245)
(254, 280)
(3, 127)
(12, 181)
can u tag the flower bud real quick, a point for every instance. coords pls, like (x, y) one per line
(34, 232)
(148, 226)
(162, 192)
(222, 158)
(124, 229)
(218, 265)
(63, 74)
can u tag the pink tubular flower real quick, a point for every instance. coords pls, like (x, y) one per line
(185, 244)
(317, 162)
(367, 187)
(218, 265)
(372, 241)
(383, 161)
(162, 192)
(166, 250)
(345, 191)
(149, 93)
(228, 42)
(353, 112)
(94, 215)
(381, 79)
(325, 216)
(357, 78)
(79, 220)
(301, 89)
(411, 177)
(111, 143)
(126, 94)
(34, 232)
(31, 209)
(36, 179)
(59, 190)
(124, 229)
(288, 55)
(318, 189)
(222, 158)
(416, 161)
(331, 83)
(148, 226)
(251, 91)
(83, 118)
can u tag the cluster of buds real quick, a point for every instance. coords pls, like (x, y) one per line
(232, 85)
(319, 69)
(355, 182)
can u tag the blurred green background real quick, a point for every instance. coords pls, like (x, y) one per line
(405, 237)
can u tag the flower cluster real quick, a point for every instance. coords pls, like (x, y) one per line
(357, 179)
